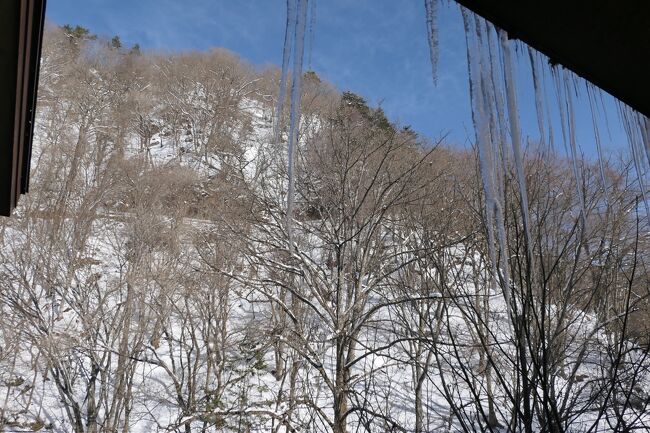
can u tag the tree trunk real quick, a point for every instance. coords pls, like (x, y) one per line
(91, 406)
(341, 384)
(419, 412)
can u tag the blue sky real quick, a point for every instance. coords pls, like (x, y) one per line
(376, 48)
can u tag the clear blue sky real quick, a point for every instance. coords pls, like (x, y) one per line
(376, 48)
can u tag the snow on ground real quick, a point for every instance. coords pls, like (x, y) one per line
(29, 394)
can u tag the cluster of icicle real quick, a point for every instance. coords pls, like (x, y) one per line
(499, 138)
(637, 128)
(488, 113)
(294, 42)
(496, 117)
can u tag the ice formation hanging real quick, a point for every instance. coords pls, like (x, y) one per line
(312, 24)
(484, 108)
(495, 113)
(295, 27)
(636, 128)
(289, 29)
(431, 8)
(492, 72)
(515, 133)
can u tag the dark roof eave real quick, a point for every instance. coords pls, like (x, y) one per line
(605, 42)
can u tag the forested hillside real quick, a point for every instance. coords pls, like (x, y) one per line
(148, 281)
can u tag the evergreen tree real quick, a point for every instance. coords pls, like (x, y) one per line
(136, 49)
(311, 76)
(116, 43)
(77, 33)
(355, 101)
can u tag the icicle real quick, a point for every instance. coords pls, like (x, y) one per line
(539, 108)
(565, 105)
(574, 150)
(491, 104)
(492, 109)
(601, 158)
(431, 7)
(603, 110)
(481, 131)
(294, 123)
(644, 128)
(487, 98)
(551, 135)
(312, 25)
(515, 132)
(480, 107)
(630, 124)
(497, 116)
(286, 55)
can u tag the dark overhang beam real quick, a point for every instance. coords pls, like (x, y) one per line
(21, 29)
(606, 42)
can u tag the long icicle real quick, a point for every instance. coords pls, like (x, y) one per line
(546, 106)
(497, 111)
(539, 107)
(294, 123)
(481, 131)
(493, 213)
(565, 108)
(644, 124)
(497, 156)
(599, 148)
(626, 114)
(487, 103)
(431, 7)
(644, 133)
(574, 148)
(515, 132)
